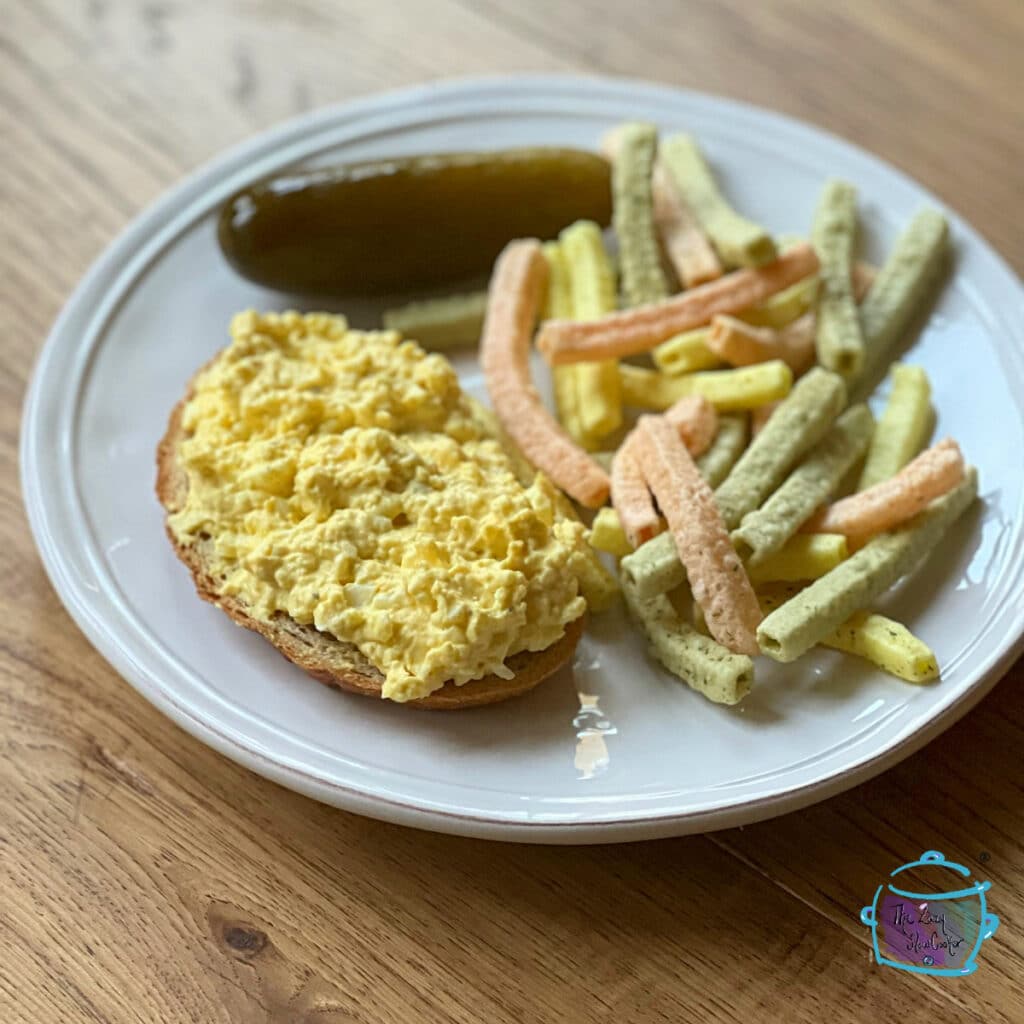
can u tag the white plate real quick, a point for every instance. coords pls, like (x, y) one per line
(156, 306)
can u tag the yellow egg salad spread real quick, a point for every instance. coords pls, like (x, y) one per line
(342, 477)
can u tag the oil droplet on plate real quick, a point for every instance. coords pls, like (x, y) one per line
(592, 726)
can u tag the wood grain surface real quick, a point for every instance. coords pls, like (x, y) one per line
(144, 878)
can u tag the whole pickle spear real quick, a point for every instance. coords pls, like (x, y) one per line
(410, 222)
(815, 613)
(802, 420)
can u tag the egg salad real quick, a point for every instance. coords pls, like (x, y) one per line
(343, 478)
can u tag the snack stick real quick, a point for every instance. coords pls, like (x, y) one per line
(591, 277)
(631, 497)
(782, 308)
(760, 416)
(633, 215)
(816, 612)
(592, 286)
(839, 341)
(902, 283)
(803, 557)
(727, 390)
(792, 310)
(903, 427)
(694, 420)
(892, 502)
(727, 446)
(558, 303)
(445, 323)
(798, 424)
(686, 246)
(799, 332)
(599, 393)
(887, 644)
(517, 284)
(742, 340)
(739, 242)
(799, 335)
(654, 568)
(715, 573)
(689, 252)
(598, 586)
(632, 331)
(587, 395)
(741, 344)
(884, 642)
(704, 665)
(607, 534)
(750, 337)
(685, 353)
(766, 529)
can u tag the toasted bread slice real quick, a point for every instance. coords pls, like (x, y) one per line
(332, 661)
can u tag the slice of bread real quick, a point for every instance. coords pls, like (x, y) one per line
(333, 661)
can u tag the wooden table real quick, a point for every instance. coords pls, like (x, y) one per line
(145, 878)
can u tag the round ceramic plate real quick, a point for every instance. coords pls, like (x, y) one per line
(616, 748)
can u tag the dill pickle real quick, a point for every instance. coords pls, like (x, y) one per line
(407, 223)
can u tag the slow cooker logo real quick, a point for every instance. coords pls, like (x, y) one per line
(930, 932)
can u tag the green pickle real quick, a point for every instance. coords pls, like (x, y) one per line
(397, 225)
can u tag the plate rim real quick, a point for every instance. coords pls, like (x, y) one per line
(146, 226)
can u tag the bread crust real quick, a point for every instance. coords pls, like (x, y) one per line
(336, 662)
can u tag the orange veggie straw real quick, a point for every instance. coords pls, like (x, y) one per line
(687, 247)
(631, 331)
(696, 422)
(691, 255)
(630, 496)
(717, 578)
(513, 299)
(741, 344)
(894, 501)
